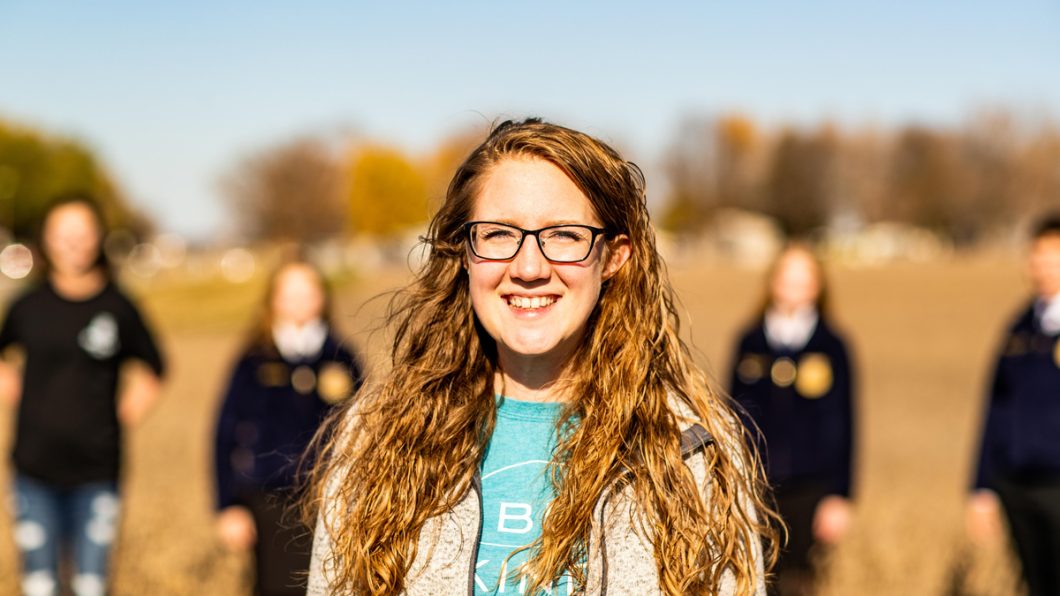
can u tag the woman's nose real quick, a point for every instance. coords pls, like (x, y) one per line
(530, 263)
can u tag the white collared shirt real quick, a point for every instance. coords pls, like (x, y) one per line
(792, 331)
(1048, 311)
(300, 342)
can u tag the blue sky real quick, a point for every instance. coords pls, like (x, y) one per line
(172, 95)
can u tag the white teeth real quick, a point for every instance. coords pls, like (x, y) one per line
(530, 303)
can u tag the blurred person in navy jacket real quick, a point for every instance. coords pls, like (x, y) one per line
(1019, 460)
(293, 371)
(792, 376)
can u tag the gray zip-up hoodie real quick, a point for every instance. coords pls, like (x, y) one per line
(620, 555)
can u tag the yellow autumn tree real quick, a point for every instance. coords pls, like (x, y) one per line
(387, 191)
(440, 165)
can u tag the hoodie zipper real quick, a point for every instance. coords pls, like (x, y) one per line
(476, 487)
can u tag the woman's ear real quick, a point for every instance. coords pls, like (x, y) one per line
(464, 261)
(618, 251)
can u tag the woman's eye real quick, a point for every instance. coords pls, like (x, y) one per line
(497, 234)
(566, 235)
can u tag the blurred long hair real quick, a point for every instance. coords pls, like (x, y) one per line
(409, 448)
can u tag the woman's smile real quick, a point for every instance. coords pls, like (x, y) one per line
(531, 303)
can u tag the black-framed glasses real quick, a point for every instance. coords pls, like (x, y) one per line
(568, 243)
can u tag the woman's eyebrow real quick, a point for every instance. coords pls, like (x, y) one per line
(548, 223)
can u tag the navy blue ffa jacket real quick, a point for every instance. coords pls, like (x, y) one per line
(803, 404)
(1021, 437)
(271, 411)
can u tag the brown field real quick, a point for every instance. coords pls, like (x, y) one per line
(923, 337)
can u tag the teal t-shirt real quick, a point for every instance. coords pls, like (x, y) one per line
(515, 492)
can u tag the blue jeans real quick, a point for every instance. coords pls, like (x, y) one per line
(49, 519)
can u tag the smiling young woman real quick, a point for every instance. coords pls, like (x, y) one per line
(544, 429)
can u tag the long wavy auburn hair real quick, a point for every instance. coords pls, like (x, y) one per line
(407, 449)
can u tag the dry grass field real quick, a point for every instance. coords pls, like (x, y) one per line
(923, 337)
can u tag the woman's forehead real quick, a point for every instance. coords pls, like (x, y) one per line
(1049, 243)
(797, 262)
(530, 191)
(297, 273)
(72, 215)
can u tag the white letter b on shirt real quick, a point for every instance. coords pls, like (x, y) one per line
(515, 518)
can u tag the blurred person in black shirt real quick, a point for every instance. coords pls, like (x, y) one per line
(290, 375)
(1019, 459)
(76, 329)
(792, 376)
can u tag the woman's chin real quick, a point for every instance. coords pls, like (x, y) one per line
(74, 270)
(535, 348)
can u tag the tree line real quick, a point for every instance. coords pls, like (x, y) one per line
(311, 189)
(965, 182)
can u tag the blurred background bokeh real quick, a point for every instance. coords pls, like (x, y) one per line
(914, 143)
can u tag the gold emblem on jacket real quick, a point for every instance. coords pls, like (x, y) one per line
(335, 383)
(814, 377)
(1056, 352)
(751, 368)
(273, 374)
(303, 379)
(783, 372)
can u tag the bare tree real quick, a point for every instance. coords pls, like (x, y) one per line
(292, 191)
(713, 163)
(1036, 179)
(688, 166)
(929, 182)
(800, 188)
(860, 176)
